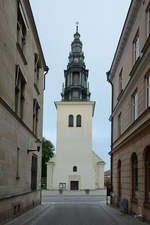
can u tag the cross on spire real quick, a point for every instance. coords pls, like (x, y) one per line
(77, 24)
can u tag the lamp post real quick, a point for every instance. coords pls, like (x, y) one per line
(38, 142)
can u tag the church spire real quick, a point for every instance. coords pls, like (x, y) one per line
(76, 75)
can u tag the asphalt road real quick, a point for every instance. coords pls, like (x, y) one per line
(81, 210)
(74, 210)
(76, 214)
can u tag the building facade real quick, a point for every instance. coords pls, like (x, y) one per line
(22, 67)
(75, 166)
(130, 79)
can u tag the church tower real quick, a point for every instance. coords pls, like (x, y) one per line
(75, 166)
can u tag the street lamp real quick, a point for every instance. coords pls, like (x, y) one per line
(38, 142)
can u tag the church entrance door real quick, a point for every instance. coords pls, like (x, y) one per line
(74, 185)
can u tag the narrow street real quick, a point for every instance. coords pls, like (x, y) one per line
(74, 210)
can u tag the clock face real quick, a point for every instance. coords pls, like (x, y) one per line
(76, 60)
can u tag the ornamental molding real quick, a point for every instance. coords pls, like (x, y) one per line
(139, 71)
(130, 21)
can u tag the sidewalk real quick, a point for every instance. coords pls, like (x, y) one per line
(28, 217)
(121, 218)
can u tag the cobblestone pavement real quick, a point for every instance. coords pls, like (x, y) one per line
(74, 210)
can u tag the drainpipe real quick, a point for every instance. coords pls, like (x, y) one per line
(111, 155)
(46, 71)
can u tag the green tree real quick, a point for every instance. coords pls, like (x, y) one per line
(47, 153)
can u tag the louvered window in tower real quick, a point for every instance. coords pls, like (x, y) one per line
(70, 121)
(78, 121)
(75, 94)
(76, 79)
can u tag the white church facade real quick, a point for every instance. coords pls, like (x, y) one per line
(75, 166)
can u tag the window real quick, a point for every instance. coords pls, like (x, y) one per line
(17, 172)
(136, 49)
(36, 108)
(75, 169)
(78, 121)
(75, 94)
(70, 122)
(37, 67)
(22, 98)
(147, 174)
(19, 92)
(135, 106)
(21, 27)
(120, 82)
(148, 21)
(134, 176)
(76, 79)
(148, 91)
(34, 173)
(120, 124)
(68, 80)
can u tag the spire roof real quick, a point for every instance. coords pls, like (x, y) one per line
(76, 86)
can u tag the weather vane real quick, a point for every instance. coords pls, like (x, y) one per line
(77, 24)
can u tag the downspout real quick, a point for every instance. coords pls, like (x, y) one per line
(46, 71)
(111, 155)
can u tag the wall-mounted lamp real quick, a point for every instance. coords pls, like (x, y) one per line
(38, 142)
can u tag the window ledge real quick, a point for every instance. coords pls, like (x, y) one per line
(146, 45)
(21, 53)
(36, 88)
(120, 94)
(136, 64)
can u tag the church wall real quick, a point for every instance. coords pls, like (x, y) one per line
(74, 145)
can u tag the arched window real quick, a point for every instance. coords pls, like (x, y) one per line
(70, 121)
(78, 121)
(76, 78)
(147, 174)
(119, 180)
(75, 169)
(134, 176)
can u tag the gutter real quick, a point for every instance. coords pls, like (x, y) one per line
(111, 155)
(46, 69)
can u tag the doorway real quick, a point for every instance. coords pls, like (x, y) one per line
(74, 185)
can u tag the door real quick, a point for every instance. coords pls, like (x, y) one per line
(74, 185)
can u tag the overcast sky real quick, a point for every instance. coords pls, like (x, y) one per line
(100, 25)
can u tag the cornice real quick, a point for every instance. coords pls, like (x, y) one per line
(34, 30)
(9, 109)
(132, 131)
(76, 103)
(129, 22)
(136, 70)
